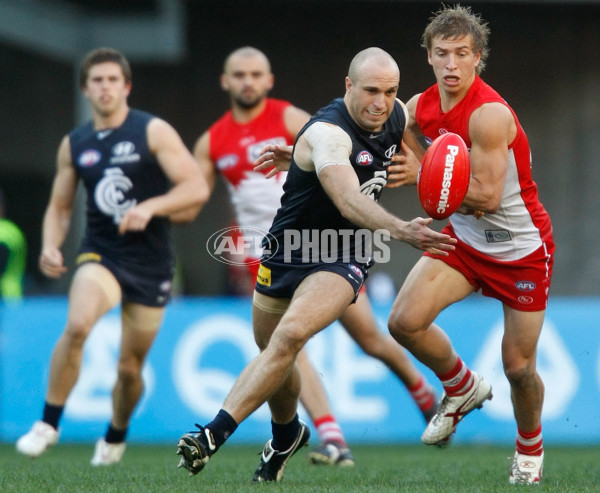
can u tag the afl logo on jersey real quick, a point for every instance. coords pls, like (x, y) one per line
(364, 158)
(89, 158)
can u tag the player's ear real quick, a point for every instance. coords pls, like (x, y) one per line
(224, 84)
(348, 83)
(271, 81)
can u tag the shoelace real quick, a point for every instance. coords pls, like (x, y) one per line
(194, 432)
(521, 476)
(441, 412)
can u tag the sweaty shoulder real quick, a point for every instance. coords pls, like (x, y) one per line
(492, 119)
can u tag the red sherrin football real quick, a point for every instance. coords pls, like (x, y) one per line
(444, 176)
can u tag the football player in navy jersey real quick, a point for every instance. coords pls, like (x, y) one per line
(228, 148)
(138, 176)
(337, 173)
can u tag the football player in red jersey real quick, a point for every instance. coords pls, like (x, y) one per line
(505, 246)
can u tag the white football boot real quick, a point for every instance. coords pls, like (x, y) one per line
(526, 469)
(106, 454)
(453, 409)
(37, 440)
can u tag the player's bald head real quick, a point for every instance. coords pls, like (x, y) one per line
(246, 52)
(370, 58)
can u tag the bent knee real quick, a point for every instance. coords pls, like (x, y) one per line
(288, 340)
(403, 324)
(520, 373)
(129, 371)
(77, 329)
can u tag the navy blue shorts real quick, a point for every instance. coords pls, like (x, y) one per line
(141, 284)
(280, 280)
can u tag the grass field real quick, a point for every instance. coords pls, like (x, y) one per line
(404, 468)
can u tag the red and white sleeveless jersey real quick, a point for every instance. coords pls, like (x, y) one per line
(521, 222)
(234, 147)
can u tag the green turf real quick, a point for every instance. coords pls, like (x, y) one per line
(405, 468)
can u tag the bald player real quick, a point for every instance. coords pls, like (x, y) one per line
(328, 187)
(229, 148)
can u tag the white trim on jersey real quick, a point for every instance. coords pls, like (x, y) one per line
(510, 233)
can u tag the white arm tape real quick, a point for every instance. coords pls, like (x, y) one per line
(330, 145)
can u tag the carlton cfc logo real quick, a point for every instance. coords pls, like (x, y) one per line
(364, 158)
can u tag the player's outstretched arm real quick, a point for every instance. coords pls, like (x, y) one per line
(342, 185)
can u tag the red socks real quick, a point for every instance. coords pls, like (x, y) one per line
(530, 443)
(329, 430)
(458, 380)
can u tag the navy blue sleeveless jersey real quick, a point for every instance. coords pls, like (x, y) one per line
(305, 206)
(119, 171)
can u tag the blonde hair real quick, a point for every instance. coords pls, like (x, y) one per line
(456, 22)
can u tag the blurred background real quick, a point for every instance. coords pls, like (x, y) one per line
(543, 60)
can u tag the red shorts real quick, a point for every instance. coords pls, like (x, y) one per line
(522, 284)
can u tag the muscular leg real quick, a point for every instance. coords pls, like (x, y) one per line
(430, 287)
(265, 320)
(140, 326)
(267, 313)
(521, 334)
(318, 301)
(312, 394)
(359, 321)
(94, 291)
